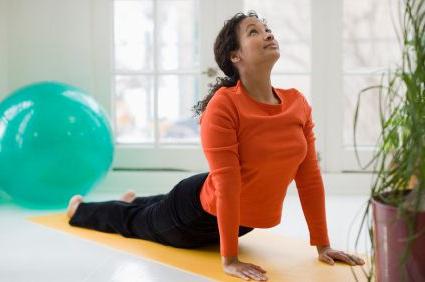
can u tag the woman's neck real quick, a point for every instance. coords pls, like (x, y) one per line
(258, 85)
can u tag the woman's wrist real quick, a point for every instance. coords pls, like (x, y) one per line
(321, 248)
(228, 260)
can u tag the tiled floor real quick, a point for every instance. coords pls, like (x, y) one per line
(32, 253)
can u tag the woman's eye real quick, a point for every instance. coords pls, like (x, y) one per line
(252, 31)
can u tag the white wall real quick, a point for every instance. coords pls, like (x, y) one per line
(49, 40)
(3, 49)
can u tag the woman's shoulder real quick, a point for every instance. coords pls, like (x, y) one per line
(289, 91)
(227, 90)
(292, 94)
(223, 95)
(221, 105)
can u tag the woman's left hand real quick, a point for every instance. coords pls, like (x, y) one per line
(328, 255)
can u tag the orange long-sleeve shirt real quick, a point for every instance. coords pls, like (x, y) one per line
(254, 151)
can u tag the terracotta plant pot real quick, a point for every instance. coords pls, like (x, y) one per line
(390, 241)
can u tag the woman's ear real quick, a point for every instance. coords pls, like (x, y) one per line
(234, 57)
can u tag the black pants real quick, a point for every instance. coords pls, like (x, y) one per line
(176, 219)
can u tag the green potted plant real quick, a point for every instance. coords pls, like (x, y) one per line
(395, 212)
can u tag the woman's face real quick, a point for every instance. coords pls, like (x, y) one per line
(256, 44)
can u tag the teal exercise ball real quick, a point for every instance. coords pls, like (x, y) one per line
(55, 141)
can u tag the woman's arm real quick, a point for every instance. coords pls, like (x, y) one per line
(220, 144)
(310, 187)
(312, 196)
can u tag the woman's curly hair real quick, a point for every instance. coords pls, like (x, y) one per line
(226, 42)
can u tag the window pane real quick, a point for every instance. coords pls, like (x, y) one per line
(299, 82)
(368, 126)
(369, 43)
(369, 39)
(133, 35)
(134, 109)
(290, 23)
(178, 35)
(177, 95)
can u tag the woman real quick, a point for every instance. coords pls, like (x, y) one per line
(257, 139)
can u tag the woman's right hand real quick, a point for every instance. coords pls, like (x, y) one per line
(244, 270)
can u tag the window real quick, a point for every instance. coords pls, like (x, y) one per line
(370, 49)
(290, 23)
(156, 71)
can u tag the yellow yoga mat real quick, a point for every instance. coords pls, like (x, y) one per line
(284, 259)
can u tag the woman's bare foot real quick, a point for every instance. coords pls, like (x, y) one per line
(128, 196)
(74, 202)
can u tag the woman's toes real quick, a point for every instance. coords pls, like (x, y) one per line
(128, 196)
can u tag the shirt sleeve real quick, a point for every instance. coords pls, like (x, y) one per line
(310, 188)
(219, 123)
